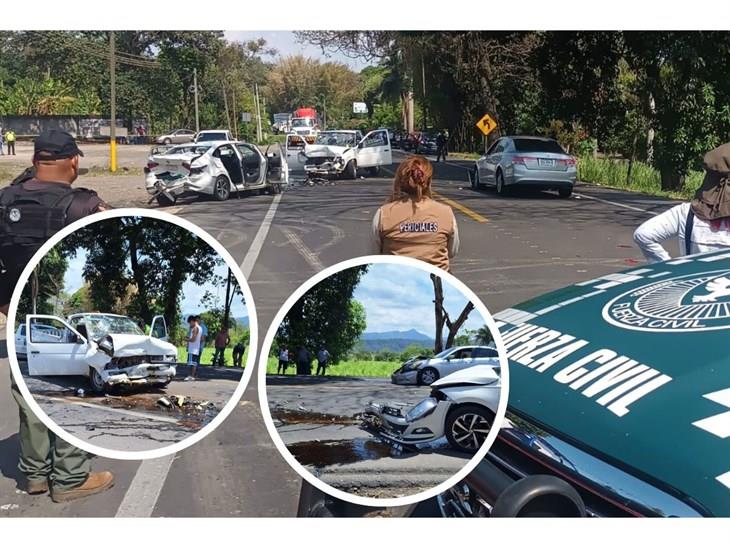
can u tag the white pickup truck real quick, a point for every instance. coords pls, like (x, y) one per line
(344, 152)
(108, 348)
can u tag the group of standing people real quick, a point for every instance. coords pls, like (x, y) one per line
(8, 138)
(303, 361)
(197, 335)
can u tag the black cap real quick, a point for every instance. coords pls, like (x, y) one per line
(55, 144)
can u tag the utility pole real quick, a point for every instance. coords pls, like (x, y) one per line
(113, 105)
(225, 105)
(235, 120)
(423, 82)
(257, 103)
(195, 91)
(227, 310)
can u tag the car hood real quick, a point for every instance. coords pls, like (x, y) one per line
(634, 367)
(130, 345)
(319, 151)
(477, 375)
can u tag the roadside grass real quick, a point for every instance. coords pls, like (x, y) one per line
(464, 155)
(207, 357)
(103, 171)
(350, 368)
(644, 178)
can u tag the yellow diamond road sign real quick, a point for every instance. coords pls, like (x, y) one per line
(486, 125)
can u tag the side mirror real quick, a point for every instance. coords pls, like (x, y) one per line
(361, 145)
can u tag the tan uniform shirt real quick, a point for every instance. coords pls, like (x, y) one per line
(429, 233)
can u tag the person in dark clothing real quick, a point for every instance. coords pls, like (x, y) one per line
(323, 359)
(35, 206)
(222, 340)
(304, 361)
(238, 352)
(440, 146)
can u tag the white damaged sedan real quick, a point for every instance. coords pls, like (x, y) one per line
(109, 349)
(216, 168)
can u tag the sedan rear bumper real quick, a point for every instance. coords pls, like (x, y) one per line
(176, 187)
(543, 178)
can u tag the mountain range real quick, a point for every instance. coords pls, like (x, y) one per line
(395, 341)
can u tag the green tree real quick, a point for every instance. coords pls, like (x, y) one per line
(326, 315)
(43, 292)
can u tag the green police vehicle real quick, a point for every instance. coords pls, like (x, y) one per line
(619, 399)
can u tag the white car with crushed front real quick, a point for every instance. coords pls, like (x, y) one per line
(111, 350)
(344, 152)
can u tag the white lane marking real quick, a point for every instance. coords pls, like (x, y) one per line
(135, 414)
(258, 241)
(718, 425)
(609, 202)
(141, 497)
(303, 250)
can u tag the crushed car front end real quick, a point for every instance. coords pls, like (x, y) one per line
(140, 370)
(407, 373)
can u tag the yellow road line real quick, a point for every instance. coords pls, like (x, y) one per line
(473, 215)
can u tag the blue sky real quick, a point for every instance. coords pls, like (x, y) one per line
(192, 293)
(398, 298)
(286, 44)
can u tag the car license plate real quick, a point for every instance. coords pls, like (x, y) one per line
(546, 162)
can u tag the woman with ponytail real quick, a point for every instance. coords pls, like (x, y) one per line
(412, 223)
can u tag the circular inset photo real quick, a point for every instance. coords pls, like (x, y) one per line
(134, 334)
(383, 381)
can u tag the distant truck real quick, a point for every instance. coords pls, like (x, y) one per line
(305, 122)
(282, 122)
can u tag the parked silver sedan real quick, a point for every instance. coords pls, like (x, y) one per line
(177, 137)
(421, 370)
(535, 162)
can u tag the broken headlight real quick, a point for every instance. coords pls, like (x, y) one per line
(422, 409)
(410, 366)
(106, 345)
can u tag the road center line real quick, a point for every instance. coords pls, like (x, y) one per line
(303, 250)
(258, 241)
(141, 497)
(465, 210)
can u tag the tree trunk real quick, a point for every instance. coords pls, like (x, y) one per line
(438, 302)
(142, 296)
(650, 130)
(454, 327)
(670, 179)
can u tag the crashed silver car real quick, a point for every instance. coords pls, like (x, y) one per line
(216, 169)
(344, 152)
(109, 349)
(423, 370)
(461, 407)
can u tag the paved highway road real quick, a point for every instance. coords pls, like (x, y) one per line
(513, 248)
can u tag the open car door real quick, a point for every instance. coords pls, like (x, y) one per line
(158, 328)
(374, 150)
(54, 347)
(277, 168)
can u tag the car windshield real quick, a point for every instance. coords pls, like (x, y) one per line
(336, 138)
(98, 325)
(538, 145)
(187, 149)
(213, 136)
(302, 122)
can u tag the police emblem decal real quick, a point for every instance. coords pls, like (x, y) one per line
(14, 215)
(694, 302)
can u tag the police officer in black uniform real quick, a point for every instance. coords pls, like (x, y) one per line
(35, 206)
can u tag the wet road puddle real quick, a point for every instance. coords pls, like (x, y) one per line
(290, 416)
(326, 453)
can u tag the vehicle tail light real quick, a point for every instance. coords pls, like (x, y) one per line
(186, 165)
(520, 160)
(569, 162)
(152, 165)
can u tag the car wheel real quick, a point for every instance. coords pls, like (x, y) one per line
(565, 192)
(274, 189)
(501, 188)
(467, 427)
(97, 383)
(166, 142)
(373, 171)
(351, 170)
(164, 201)
(427, 376)
(222, 190)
